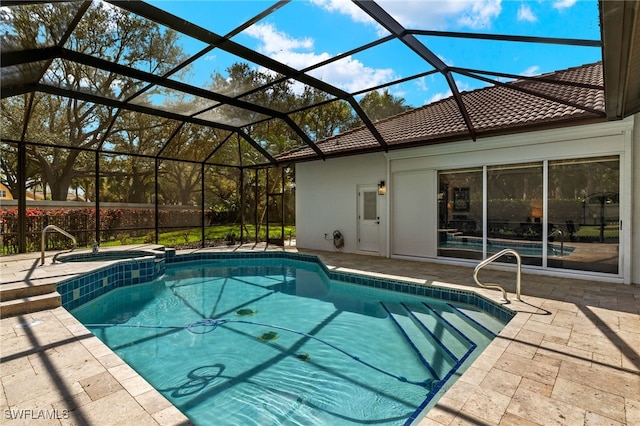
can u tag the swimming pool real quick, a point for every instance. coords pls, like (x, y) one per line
(277, 341)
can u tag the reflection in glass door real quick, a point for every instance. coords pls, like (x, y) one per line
(577, 228)
(460, 213)
(584, 206)
(515, 210)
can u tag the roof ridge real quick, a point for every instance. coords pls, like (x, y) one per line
(545, 76)
(574, 68)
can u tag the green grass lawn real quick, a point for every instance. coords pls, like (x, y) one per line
(592, 233)
(193, 235)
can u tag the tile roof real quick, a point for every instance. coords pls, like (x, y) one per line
(566, 97)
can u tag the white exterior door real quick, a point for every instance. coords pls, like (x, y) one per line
(368, 219)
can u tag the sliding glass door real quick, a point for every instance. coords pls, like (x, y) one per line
(572, 223)
(460, 214)
(584, 208)
(515, 210)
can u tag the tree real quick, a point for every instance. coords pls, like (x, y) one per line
(179, 183)
(325, 119)
(106, 32)
(379, 106)
(273, 135)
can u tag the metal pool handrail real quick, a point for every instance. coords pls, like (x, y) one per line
(558, 231)
(495, 286)
(63, 232)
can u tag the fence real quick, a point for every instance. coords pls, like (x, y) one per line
(117, 221)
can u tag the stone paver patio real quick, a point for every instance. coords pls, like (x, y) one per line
(571, 355)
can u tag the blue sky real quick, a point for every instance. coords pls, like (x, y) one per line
(306, 32)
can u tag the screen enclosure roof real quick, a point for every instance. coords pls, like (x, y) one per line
(261, 79)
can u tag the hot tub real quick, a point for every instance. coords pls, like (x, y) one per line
(103, 256)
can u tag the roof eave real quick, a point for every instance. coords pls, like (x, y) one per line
(620, 26)
(462, 137)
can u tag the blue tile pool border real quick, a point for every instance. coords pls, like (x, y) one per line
(83, 288)
(86, 287)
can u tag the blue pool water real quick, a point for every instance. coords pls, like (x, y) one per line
(275, 341)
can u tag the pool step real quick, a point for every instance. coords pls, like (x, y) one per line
(472, 315)
(445, 342)
(12, 291)
(29, 304)
(20, 298)
(426, 347)
(454, 340)
(463, 321)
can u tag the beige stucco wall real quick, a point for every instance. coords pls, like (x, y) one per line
(326, 199)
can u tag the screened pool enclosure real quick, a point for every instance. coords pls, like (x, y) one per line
(138, 122)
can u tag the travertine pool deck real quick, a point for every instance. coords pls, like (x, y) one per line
(571, 355)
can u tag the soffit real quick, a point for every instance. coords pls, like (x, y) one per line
(620, 22)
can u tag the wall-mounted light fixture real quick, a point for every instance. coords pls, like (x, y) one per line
(382, 189)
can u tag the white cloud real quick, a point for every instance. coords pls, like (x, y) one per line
(444, 59)
(525, 14)
(352, 75)
(274, 41)
(344, 7)
(299, 60)
(399, 93)
(7, 12)
(439, 96)
(563, 4)
(350, 9)
(481, 14)
(348, 73)
(532, 70)
(434, 14)
(422, 84)
(462, 86)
